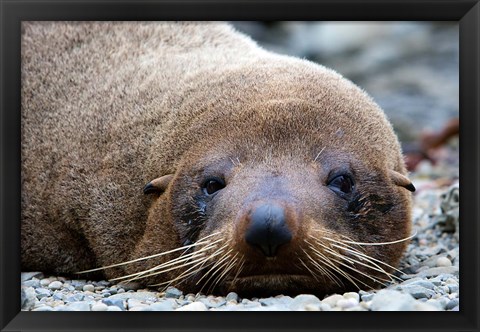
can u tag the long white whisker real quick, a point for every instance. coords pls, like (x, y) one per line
(220, 261)
(381, 243)
(200, 241)
(175, 261)
(372, 261)
(187, 273)
(330, 274)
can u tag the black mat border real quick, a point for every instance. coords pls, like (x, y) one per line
(12, 12)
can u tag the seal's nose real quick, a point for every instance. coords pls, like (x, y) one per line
(268, 229)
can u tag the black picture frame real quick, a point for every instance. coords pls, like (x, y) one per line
(465, 12)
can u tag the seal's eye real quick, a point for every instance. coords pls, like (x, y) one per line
(343, 183)
(211, 186)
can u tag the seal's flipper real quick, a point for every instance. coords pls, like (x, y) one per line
(159, 185)
(402, 181)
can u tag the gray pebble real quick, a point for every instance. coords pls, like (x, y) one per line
(167, 305)
(352, 295)
(452, 288)
(417, 291)
(35, 283)
(332, 300)
(55, 285)
(58, 295)
(452, 304)
(78, 306)
(88, 288)
(435, 271)
(143, 296)
(367, 297)
(282, 299)
(114, 302)
(75, 297)
(440, 305)
(443, 261)
(78, 284)
(28, 298)
(389, 300)
(99, 307)
(134, 303)
(42, 292)
(24, 276)
(195, 306)
(212, 302)
(300, 301)
(173, 292)
(418, 282)
(45, 282)
(347, 303)
(232, 296)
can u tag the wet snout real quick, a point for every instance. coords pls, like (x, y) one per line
(268, 228)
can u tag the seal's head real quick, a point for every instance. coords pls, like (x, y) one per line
(295, 184)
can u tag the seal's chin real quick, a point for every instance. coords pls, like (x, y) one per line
(266, 285)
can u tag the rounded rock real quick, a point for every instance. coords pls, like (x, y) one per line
(347, 303)
(332, 300)
(88, 288)
(352, 295)
(194, 306)
(452, 304)
(232, 296)
(99, 307)
(28, 298)
(443, 261)
(163, 306)
(35, 283)
(389, 300)
(45, 282)
(55, 285)
(78, 306)
(173, 292)
(301, 301)
(114, 302)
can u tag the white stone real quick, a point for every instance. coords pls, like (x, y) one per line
(443, 261)
(352, 295)
(332, 300)
(347, 303)
(89, 288)
(55, 285)
(100, 307)
(194, 306)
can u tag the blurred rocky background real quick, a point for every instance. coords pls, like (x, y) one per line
(409, 68)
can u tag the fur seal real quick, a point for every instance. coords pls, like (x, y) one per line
(184, 154)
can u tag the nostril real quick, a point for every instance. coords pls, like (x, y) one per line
(268, 229)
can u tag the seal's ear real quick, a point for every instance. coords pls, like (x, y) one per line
(159, 185)
(402, 181)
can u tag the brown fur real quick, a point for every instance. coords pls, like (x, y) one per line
(109, 107)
